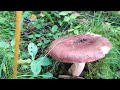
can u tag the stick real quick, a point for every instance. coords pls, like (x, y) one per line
(17, 40)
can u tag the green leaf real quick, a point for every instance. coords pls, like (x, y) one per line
(47, 75)
(25, 67)
(26, 14)
(38, 26)
(12, 42)
(46, 41)
(49, 16)
(2, 20)
(63, 13)
(60, 22)
(49, 34)
(54, 28)
(11, 33)
(72, 17)
(118, 28)
(4, 45)
(4, 68)
(30, 36)
(59, 34)
(32, 49)
(77, 27)
(70, 30)
(40, 44)
(76, 32)
(35, 67)
(13, 49)
(44, 61)
(12, 24)
(69, 11)
(37, 35)
(55, 36)
(43, 45)
(66, 19)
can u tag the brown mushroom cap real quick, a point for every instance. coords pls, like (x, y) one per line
(80, 48)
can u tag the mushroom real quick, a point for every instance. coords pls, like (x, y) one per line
(79, 49)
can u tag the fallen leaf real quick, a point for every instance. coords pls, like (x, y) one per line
(42, 15)
(33, 17)
(106, 24)
(26, 61)
(64, 76)
(83, 20)
(75, 14)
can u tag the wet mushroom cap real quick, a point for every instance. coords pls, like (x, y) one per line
(79, 48)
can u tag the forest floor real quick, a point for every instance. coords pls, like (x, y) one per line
(42, 27)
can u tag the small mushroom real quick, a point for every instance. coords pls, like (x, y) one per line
(79, 49)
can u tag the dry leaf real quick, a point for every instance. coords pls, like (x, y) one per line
(42, 15)
(64, 76)
(75, 14)
(33, 17)
(69, 77)
(83, 20)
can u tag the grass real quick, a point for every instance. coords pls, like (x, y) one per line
(99, 22)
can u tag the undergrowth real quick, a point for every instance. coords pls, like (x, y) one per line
(50, 25)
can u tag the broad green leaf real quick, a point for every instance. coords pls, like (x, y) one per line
(76, 32)
(63, 13)
(35, 67)
(40, 44)
(54, 28)
(66, 19)
(12, 42)
(47, 75)
(44, 61)
(4, 45)
(32, 49)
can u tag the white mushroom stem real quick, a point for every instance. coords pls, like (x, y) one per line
(76, 69)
